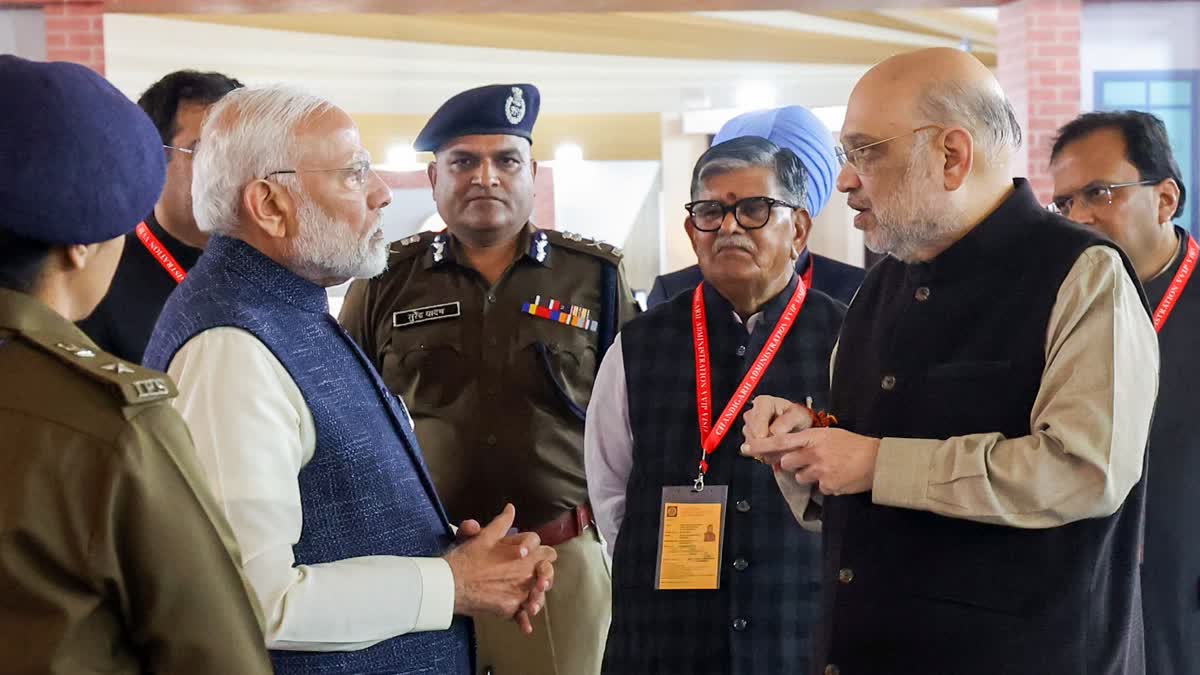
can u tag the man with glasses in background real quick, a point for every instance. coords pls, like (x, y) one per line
(159, 253)
(761, 329)
(981, 496)
(1115, 173)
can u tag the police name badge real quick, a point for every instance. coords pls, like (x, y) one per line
(690, 537)
(411, 317)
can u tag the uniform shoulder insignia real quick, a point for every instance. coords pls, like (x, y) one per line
(410, 246)
(134, 384)
(583, 244)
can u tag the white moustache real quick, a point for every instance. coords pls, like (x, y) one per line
(734, 241)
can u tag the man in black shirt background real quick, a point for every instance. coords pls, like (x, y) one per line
(1114, 172)
(158, 255)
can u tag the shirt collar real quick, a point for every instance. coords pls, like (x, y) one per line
(23, 313)
(183, 254)
(804, 261)
(767, 315)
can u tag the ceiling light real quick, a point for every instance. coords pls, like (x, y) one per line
(568, 153)
(756, 95)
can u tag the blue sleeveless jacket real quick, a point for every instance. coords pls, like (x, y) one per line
(366, 490)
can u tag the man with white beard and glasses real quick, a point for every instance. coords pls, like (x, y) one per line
(981, 496)
(313, 461)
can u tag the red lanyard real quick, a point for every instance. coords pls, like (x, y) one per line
(160, 253)
(806, 278)
(1182, 275)
(710, 434)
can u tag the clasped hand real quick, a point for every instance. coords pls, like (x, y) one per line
(780, 433)
(498, 573)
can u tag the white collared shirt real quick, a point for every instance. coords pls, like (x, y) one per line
(253, 434)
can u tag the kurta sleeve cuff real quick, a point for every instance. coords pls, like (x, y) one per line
(902, 472)
(437, 601)
(804, 502)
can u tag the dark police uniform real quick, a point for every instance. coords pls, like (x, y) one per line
(113, 556)
(497, 392)
(497, 380)
(125, 318)
(497, 384)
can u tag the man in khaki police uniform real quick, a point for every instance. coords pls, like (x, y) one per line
(113, 557)
(492, 331)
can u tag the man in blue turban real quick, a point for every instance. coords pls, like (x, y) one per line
(113, 557)
(797, 129)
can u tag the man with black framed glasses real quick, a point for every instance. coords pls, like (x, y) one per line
(751, 326)
(159, 253)
(799, 130)
(981, 495)
(1114, 172)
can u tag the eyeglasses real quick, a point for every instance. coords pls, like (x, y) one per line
(191, 151)
(1092, 196)
(857, 158)
(357, 172)
(751, 213)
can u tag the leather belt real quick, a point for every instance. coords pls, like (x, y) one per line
(568, 525)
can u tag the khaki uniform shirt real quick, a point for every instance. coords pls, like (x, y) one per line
(113, 557)
(497, 393)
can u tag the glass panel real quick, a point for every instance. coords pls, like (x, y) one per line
(1124, 94)
(1171, 92)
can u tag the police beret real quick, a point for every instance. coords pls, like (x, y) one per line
(799, 130)
(79, 162)
(507, 109)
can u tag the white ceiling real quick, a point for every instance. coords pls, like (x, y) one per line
(366, 75)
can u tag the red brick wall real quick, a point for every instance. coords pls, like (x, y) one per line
(1038, 66)
(75, 32)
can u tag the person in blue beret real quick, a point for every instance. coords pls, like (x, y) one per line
(799, 130)
(114, 557)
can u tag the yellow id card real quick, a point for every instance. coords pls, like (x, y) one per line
(690, 538)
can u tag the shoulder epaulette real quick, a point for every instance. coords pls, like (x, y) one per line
(134, 384)
(409, 247)
(576, 242)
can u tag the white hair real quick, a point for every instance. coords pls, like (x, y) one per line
(982, 110)
(247, 134)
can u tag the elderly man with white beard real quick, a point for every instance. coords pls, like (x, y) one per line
(314, 462)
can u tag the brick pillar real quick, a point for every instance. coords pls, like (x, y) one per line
(66, 30)
(1038, 66)
(75, 32)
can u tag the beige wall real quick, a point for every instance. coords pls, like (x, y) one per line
(602, 137)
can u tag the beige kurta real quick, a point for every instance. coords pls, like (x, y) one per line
(1087, 430)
